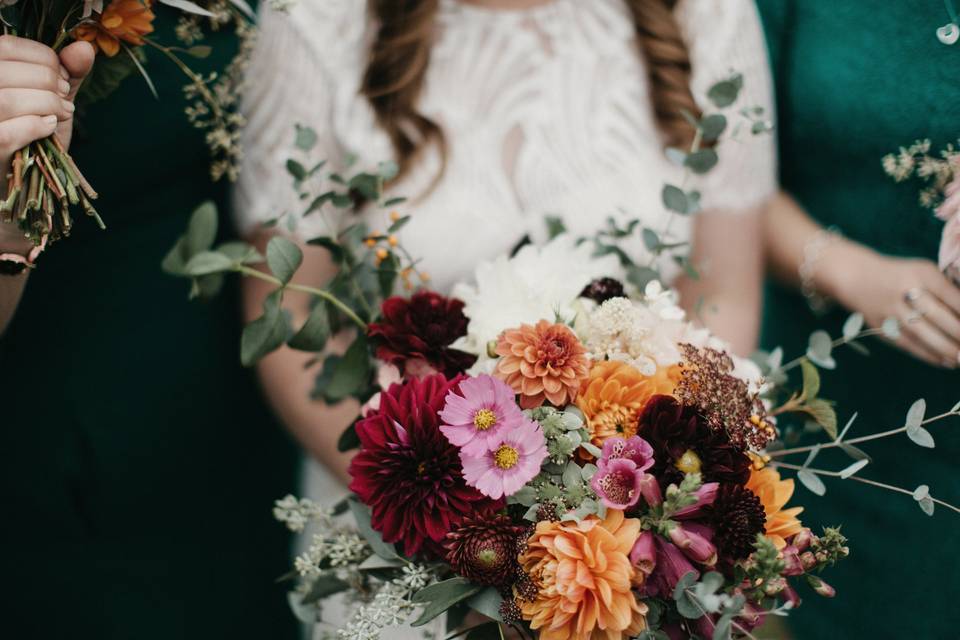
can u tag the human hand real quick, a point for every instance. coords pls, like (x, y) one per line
(914, 291)
(37, 88)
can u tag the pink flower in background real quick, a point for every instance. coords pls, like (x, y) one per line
(949, 212)
(478, 412)
(508, 465)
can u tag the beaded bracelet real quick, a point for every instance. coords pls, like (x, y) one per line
(812, 251)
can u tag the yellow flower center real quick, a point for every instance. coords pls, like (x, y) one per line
(689, 462)
(484, 419)
(421, 468)
(506, 457)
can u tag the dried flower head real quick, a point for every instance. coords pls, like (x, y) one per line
(724, 400)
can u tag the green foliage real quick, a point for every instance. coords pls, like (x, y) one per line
(266, 333)
(324, 586)
(914, 425)
(361, 516)
(352, 375)
(283, 258)
(725, 93)
(314, 333)
(439, 597)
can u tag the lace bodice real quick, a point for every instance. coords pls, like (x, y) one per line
(546, 111)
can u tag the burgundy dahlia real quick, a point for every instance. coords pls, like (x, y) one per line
(684, 442)
(422, 328)
(736, 516)
(484, 551)
(408, 473)
(603, 289)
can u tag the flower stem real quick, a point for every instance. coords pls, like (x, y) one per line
(873, 483)
(839, 342)
(320, 293)
(873, 436)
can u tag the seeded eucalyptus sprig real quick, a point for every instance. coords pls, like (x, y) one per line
(369, 262)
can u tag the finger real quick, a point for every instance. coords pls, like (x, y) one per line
(941, 317)
(33, 102)
(917, 349)
(24, 50)
(26, 75)
(17, 133)
(77, 59)
(943, 351)
(944, 290)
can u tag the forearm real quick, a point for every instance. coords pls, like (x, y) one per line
(287, 380)
(726, 297)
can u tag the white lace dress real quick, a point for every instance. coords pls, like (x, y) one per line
(546, 111)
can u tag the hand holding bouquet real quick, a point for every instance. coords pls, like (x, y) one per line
(46, 50)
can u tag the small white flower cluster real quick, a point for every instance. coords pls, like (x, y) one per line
(392, 606)
(643, 334)
(340, 549)
(298, 513)
(936, 170)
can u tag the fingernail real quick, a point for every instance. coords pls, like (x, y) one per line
(68, 106)
(64, 87)
(64, 73)
(50, 120)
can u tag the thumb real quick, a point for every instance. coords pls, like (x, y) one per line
(77, 59)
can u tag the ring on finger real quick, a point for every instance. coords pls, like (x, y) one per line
(911, 295)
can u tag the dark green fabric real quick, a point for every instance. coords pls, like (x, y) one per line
(855, 80)
(138, 462)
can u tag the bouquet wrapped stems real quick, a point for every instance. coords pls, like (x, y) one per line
(43, 185)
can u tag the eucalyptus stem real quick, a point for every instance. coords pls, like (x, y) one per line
(733, 622)
(874, 436)
(873, 483)
(320, 293)
(839, 342)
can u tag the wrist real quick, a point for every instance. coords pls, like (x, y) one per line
(841, 267)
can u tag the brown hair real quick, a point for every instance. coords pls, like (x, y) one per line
(400, 53)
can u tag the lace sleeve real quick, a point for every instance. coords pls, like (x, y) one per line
(297, 69)
(726, 37)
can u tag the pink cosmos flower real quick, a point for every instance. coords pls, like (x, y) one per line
(478, 413)
(617, 483)
(512, 461)
(633, 448)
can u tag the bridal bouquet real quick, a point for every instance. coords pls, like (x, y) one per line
(571, 458)
(45, 185)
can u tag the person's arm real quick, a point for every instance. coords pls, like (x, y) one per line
(913, 291)
(37, 89)
(286, 379)
(726, 297)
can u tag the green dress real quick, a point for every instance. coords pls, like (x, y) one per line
(854, 81)
(138, 462)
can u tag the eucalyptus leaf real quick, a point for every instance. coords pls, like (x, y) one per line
(702, 161)
(441, 596)
(674, 199)
(376, 562)
(305, 613)
(202, 229)
(825, 415)
(853, 468)
(337, 252)
(847, 426)
(265, 334)
(916, 414)
(297, 170)
(392, 202)
(348, 440)
(713, 126)
(891, 328)
(921, 437)
(488, 603)
(921, 492)
(324, 586)
(725, 93)
(207, 262)
(353, 373)
(812, 482)
(306, 138)
(853, 325)
(854, 452)
(361, 515)
(956, 408)
(819, 350)
(284, 258)
(314, 333)
(651, 240)
(721, 630)
(927, 505)
(200, 51)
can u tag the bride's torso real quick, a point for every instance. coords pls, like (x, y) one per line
(546, 112)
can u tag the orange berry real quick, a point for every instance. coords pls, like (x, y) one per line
(394, 216)
(382, 254)
(393, 241)
(370, 242)
(424, 276)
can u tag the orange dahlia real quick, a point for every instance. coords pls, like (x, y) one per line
(542, 362)
(615, 393)
(583, 576)
(127, 20)
(774, 493)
